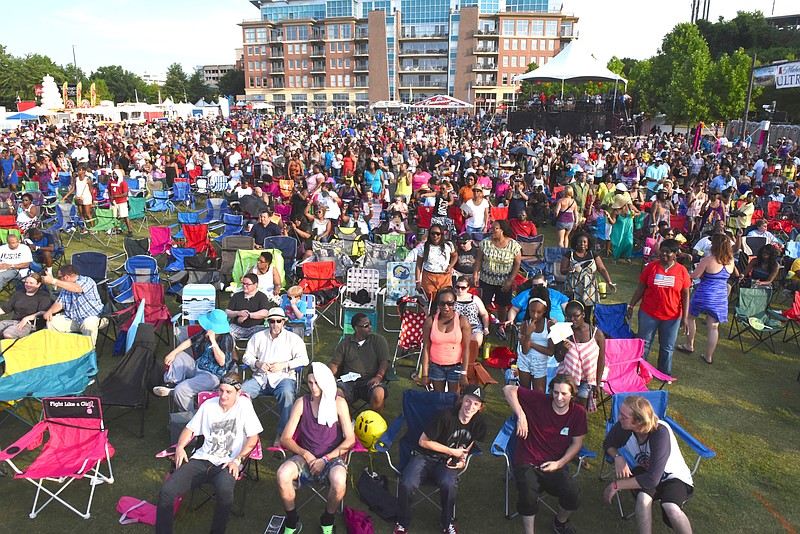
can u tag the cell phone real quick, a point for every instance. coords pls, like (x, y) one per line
(275, 524)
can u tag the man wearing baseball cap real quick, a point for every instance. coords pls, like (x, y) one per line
(274, 355)
(441, 454)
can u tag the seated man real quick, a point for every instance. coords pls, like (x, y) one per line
(230, 427)
(550, 430)
(519, 304)
(759, 231)
(273, 355)
(366, 354)
(264, 228)
(14, 260)
(78, 299)
(319, 452)
(247, 309)
(440, 455)
(42, 249)
(189, 373)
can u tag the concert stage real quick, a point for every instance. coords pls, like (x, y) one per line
(572, 122)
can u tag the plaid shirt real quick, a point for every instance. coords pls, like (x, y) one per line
(79, 306)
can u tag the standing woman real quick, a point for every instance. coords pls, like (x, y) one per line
(498, 261)
(445, 345)
(170, 170)
(586, 355)
(580, 266)
(81, 191)
(536, 346)
(566, 215)
(471, 307)
(660, 472)
(621, 219)
(435, 264)
(711, 295)
(697, 199)
(373, 177)
(348, 164)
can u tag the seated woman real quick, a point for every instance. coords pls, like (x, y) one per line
(321, 227)
(269, 279)
(762, 270)
(27, 213)
(212, 353)
(26, 305)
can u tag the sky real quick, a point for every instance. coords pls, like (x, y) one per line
(146, 36)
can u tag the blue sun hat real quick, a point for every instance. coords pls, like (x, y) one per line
(215, 321)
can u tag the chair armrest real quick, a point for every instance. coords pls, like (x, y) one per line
(695, 444)
(387, 439)
(31, 440)
(655, 372)
(500, 444)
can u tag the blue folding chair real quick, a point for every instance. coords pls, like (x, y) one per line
(234, 225)
(137, 269)
(134, 187)
(65, 221)
(419, 408)
(215, 209)
(160, 206)
(288, 247)
(184, 217)
(612, 321)
(659, 400)
(182, 195)
(178, 256)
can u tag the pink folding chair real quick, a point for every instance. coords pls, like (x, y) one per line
(160, 240)
(628, 371)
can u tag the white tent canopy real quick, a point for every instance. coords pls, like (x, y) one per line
(388, 104)
(40, 111)
(574, 64)
(442, 102)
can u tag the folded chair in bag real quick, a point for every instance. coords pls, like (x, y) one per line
(76, 446)
(612, 321)
(43, 364)
(401, 281)
(659, 401)
(751, 318)
(127, 387)
(419, 408)
(319, 280)
(248, 471)
(505, 444)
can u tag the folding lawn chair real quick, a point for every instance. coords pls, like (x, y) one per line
(409, 340)
(751, 317)
(304, 326)
(127, 387)
(319, 280)
(335, 252)
(248, 470)
(378, 255)
(196, 237)
(215, 209)
(659, 401)
(196, 300)
(66, 220)
(76, 447)
(182, 195)
(361, 282)
(135, 189)
(184, 217)
(401, 281)
(137, 269)
(160, 241)
(552, 257)
(288, 247)
(156, 312)
(234, 226)
(612, 321)
(399, 240)
(627, 369)
(791, 318)
(104, 226)
(137, 212)
(532, 260)
(419, 408)
(160, 206)
(230, 245)
(504, 445)
(247, 259)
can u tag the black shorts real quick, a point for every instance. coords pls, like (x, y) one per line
(501, 298)
(359, 389)
(673, 490)
(531, 482)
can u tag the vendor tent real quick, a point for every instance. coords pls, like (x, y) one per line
(442, 102)
(22, 117)
(388, 105)
(40, 111)
(574, 64)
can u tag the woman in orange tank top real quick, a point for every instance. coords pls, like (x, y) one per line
(445, 338)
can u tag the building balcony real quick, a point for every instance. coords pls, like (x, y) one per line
(277, 71)
(408, 35)
(485, 50)
(318, 67)
(361, 81)
(360, 66)
(276, 53)
(425, 52)
(484, 66)
(487, 33)
(317, 36)
(361, 34)
(318, 85)
(425, 85)
(423, 68)
(485, 83)
(317, 51)
(276, 37)
(361, 51)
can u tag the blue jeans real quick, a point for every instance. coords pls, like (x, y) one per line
(419, 469)
(667, 335)
(283, 393)
(191, 475)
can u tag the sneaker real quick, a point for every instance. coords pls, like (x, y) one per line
(399, 529)
(327, 529)
(451, 529)
(566, 528)
(295, 530)
(162, 391)
(130, 234)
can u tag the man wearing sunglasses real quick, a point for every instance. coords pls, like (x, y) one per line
(274, 355)
(365, 354)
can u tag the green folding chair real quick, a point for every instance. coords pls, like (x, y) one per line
(5, 232)
(751, 318)
(104, 226)
(137, 211)
(247, 259)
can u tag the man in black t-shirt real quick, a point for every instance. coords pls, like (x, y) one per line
(264, 228)
(247, 309)
(441, 454)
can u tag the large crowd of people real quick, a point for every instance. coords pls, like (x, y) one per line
(461, 194)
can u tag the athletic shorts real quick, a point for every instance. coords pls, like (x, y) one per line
(120, 210)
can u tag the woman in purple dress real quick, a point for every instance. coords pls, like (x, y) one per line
(711, 295)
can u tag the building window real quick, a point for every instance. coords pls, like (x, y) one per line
(341, 80)
(566, 29)
(522, 61)
(551, 28)
(250, 65)
(347, 47)
(250, 35)
(551, 44)
(505, 79)
(508, 27)
(541, 61)
(347, 80)
(249, 50)
(505, 61)
(506, 44)
(537, 28)
(523, 44)
(339, 63)
(513, 61)
(305, 64)
(514, 44)
(304, 49)
(333, 80)
(339, 46)
(261, 35)
(534, 44)
(542, 44)
(522, 28)
(333, 63)
(347, 63)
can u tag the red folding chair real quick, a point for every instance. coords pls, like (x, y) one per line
(498, 213)
(773, 208)
(196, 237)
(319, 279)
(156, 311)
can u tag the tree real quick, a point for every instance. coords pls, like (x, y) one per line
(196, 87)
(679, 73)
(615, 65)
(121, 83)
(20, 75)
(175, 85)
(726, 86)
(232, 83)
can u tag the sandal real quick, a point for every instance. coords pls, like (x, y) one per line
(683, 349)
(706, 361)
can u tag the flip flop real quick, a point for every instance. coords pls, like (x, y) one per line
(683, 349)
(706, 361)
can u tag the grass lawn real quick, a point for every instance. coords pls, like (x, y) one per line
(745, 407)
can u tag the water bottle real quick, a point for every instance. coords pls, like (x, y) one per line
(487, 350)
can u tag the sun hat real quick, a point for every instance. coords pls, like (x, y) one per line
(622, 187)
(619, 202)
(276, 312)
(216, 321)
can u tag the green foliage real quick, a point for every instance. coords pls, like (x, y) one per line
(122, 84)
(232, 83)
(615, 65)
(176, 83)
(197, 89)
(19, 76)
(753, 33)
(726, 85)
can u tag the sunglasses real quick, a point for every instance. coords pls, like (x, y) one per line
(436, 233)
(444, 303)
(462, 287)
(275, 321)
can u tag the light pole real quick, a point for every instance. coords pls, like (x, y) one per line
(74, 63)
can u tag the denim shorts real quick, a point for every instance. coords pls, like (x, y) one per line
(444, 373)
(584, 389)
(564, 225)
(305, 472)
(533, 363)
